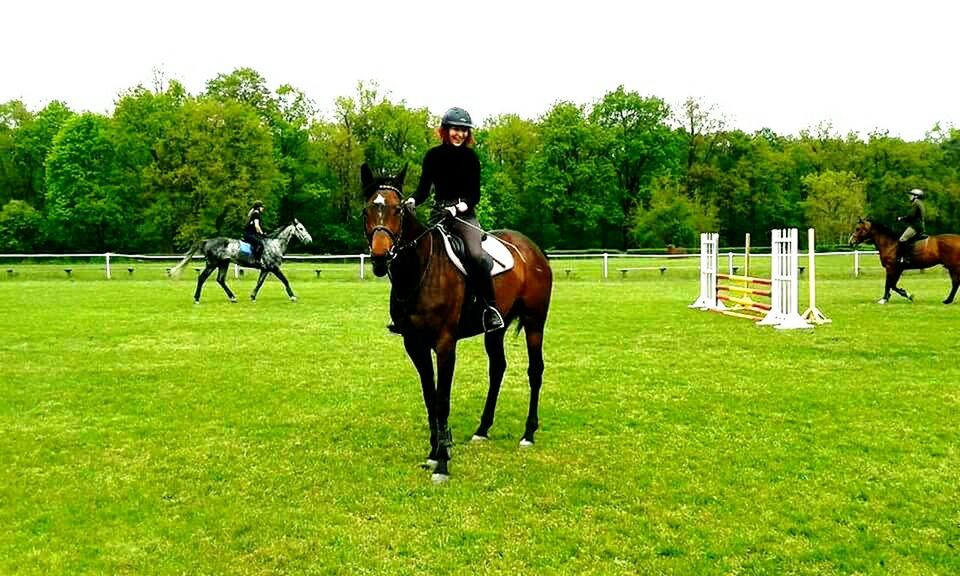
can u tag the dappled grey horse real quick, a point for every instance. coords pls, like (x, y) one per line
(220, 252)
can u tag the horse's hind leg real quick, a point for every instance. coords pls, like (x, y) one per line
(534, 331)
(256, 289)
(222, 281)
(493, 342)
(201, 279)
(286, 285)
(955, 278)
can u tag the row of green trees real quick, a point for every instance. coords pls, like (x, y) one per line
(626, 171)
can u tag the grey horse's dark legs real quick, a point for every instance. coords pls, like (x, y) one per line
(256, 289)
(201, 279)
(222, 281)
(286, 285)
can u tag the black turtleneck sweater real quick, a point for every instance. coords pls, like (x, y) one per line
(454, 172)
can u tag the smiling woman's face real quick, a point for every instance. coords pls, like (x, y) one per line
(458, 135)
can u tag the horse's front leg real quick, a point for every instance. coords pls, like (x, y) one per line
(446, 361)
(497, 365)
(256, 289)
(893, 277)
(286, 285)
(420, 356)
(222, 281)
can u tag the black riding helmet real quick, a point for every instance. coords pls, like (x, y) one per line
(456, 117)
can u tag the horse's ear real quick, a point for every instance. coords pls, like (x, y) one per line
(401, 177)
(366, 177)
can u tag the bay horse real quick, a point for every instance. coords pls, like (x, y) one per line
(430, 304)
(929, 251)
(220, 252)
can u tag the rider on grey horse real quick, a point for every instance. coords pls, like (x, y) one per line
(253, 232)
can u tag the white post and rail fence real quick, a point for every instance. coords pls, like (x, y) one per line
(567, 265)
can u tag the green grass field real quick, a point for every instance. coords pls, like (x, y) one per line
(145, 435)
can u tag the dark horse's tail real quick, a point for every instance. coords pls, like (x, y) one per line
(175, 271)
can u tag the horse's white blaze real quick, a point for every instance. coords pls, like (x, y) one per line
(380, 199)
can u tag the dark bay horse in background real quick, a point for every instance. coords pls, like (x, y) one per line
(220, 252)
(429, 303)
(929, 251)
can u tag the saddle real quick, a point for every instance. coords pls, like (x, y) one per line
(495, 252)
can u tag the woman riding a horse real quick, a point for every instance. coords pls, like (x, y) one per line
(430, 303)
(914, 222)
(452, 169)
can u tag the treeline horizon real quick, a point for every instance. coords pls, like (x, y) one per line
(166, 168)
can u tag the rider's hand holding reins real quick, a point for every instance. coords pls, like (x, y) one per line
(452, 210)
(461, 206)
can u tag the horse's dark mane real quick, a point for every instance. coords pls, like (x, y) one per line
(276, 232)
(882, 228)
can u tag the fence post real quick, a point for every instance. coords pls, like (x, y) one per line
(605, 264)
(730, 263)
(362, 256)
(107, 255)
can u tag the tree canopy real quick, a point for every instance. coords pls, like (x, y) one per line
(625, 171)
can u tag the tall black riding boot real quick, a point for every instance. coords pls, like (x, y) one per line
(903, 252)
(492, 320)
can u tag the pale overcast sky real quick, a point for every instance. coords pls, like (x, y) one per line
(786, 65)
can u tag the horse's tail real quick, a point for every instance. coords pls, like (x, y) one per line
(175, 271)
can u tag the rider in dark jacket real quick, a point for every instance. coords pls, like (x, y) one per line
(253, 232)
(452, 169)
(914, 222)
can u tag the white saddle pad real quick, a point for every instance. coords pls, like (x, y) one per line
(498, 251)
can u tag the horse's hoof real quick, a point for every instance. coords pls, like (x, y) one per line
(293, 298)
(439, 479)
(524, 443)
(430, 464)
(477, 438)
(233, 300)
(882, 301)
(196, 301)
